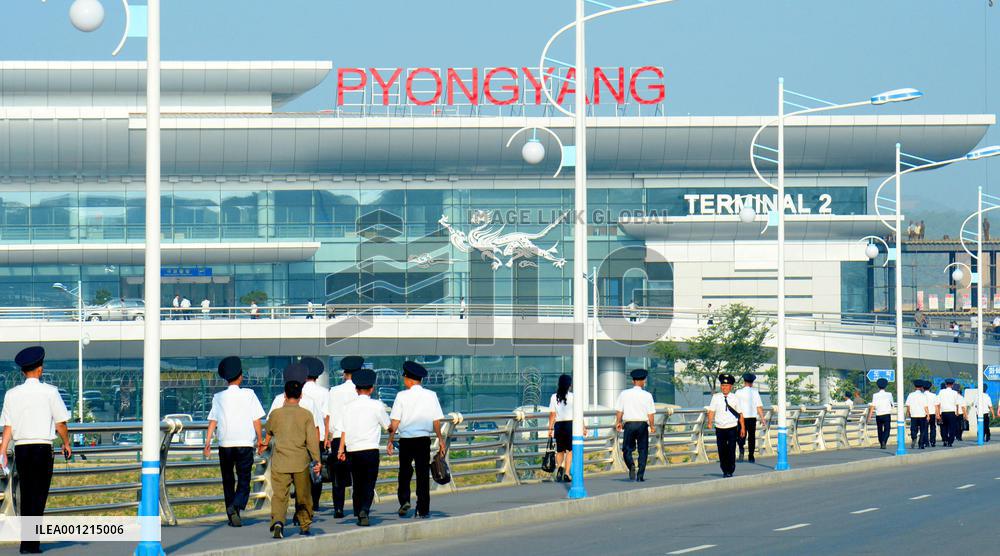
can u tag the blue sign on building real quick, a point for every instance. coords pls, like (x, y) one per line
(992, 372)
(875, 374)
(181, 272)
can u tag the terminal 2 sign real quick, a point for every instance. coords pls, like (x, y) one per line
(499, 86)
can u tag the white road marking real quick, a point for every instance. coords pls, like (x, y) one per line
(963, 487)
(692, 549)
(921, 497)
(864, 511)
(796, 526)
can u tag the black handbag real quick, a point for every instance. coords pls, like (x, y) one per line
(324, 472)
(549, 459)
(965, 424)
(440, 470)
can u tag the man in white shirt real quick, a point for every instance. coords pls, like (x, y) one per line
(724, 415)
(318, 396)
(848, 400)
(950, 403)
(206, 308)
(186, 308)
(752, 408)
(933, 412)
(176, 303)
(881, 408)
(634, 414)
(236, 412)
(337, 399)
(416, 414)
(916, 407)
(33, 413)
(363, 421)
(310, 309)
(985, 410)
(462, 308)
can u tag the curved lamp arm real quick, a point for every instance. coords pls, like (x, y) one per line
(878, 190)
(880, 240)
(562, 149)
(958, 264)
(581, 79)
(753, 142)
(128, 21)
(961, 230)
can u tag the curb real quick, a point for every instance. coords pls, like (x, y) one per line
(349, 541)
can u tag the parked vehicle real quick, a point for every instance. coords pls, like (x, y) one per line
(93, 399)
(127, 438)
(186, 437)
(116, 310)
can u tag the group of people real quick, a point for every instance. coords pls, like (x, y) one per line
(310, 427)
(915, 230)
(181, 308)
(929, 411)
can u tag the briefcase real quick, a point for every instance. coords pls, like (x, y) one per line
(324, 472)
(549, 459)
(440, 470)
(965, 424)
(317, 478)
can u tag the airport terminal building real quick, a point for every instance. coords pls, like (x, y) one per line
(375, 204)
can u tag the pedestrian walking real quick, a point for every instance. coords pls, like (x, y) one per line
(206, 308)
(634, 414)
(633, 311)
(416, 416)
(236, 413)
(561, 426)
(752, 408)
(916, 407)
(310, 309)
(881, 408)
(176, 303)
(711, 319)
(724, 415)
(33, 414)
(363, 421)
(294, 454)
(185, 308)
(984, 409)
(462, 308)
(337, 400)
(318, 396)
(254, 310)
(305, 403)
(950, 403)
(933, 412)
(962, 415)
(848, 400)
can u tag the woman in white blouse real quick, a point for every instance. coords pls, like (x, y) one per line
(561, 426)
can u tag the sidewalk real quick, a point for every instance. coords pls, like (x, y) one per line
(190, 539)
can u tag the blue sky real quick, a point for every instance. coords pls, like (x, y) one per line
(722, 57)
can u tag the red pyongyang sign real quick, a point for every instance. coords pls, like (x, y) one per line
(498, 86)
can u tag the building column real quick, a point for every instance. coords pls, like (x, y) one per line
(610, 379)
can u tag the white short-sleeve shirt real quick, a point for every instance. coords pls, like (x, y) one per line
(363, 421)
(950, 400)
(32, 410)
(932, 401)
(338, 397)
(416, 409)
(985, 403)
(235, 409)
(563, 410)
(635, 404)
(916, 402)
(304, 403)
(882, 402)
(749, 400)
(318, 396)
(724, 419)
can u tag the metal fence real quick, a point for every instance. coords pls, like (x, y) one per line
(491, 449)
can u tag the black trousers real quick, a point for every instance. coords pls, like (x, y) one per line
(986, 428)
(932, 429)
(415, 452)
(751, 438)
(34, 472)
(959, 427)
(340, 474)
(948, 420)
(918, 428)
(883, 423)
(364, 473)
(725, 440)
(636, 436)
(236, 464)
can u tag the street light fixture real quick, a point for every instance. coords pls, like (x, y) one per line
(895, 204)
(897, 95)
(82, 340)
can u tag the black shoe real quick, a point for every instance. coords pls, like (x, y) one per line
(751, 460)
(560, 474)
(726, 475)
(295, 521)
(882, 446)
(567, 478)
(278, 531)
(31, 550)
(363, 519)
(404, 509)
(640, 478)
(338, 514)
(913, 444)
(740, 457)
(421, 516)
(234, 516)
(631, 473)
(305, 533)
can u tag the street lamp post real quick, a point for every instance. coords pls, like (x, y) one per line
(82, 340)
(977, 278)
(533, 154)
(897, 95)
(896, 228)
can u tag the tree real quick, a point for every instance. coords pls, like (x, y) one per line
(734, 343)
(101, 296)
(798, 391)
(253, 296)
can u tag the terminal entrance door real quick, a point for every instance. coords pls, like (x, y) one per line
(219, 290)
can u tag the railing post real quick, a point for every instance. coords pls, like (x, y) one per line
(820, 425)
(699, 436)
(509, 465)
(448, 425)
(763, 435)
(661, 455)
(169, 427)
